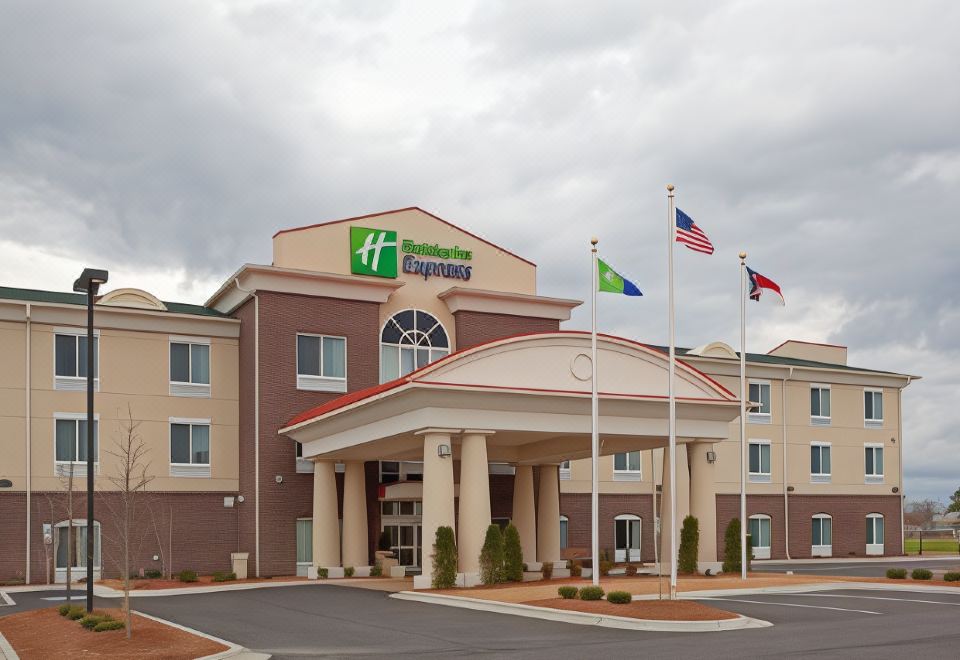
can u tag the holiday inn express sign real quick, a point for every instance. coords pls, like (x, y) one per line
(375, 252)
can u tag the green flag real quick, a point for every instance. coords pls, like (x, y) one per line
(613, 282)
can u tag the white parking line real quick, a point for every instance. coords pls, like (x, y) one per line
(905, 600)
(5, 600)
(815, 607)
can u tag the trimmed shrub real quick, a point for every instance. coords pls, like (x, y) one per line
(187, 576)
(153, 574)
(491, 556)
(323, 573)
(91, 620)
(731, 549)
(689, 546)
(376, 570)
(63, 609)
(951, 576)
(348, 571)
(576, 569)
(605, 563)
(591, 593)
(109, 625)
(619, 597)
(547, 570)
(921, 574)
(76, 613)
(223, 576)
(383, 543)
(512, 554)
(897, 573)
(444, 559)
(567, 592)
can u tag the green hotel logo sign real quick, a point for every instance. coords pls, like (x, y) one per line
(373, 252)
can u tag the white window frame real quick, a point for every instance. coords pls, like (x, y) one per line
(77, 572)
(821, 550)
(564, 471)
(628, 474)
(821, 477)
(321, 383)
(762, 551)
(873, 422)
(621, 555)
(200, 470)
(189, 388)
(406, 468)
(821, 420)
(433, 353)
(761, 477)
(79, 467)
(761, 417)
(564, 532)
(303, 565)
(875, 478)
(75, 383)
(876, 548)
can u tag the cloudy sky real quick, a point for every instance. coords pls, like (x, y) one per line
(168, 140)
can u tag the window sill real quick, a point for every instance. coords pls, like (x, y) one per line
(878, 479)
(873, 423)
(74, 384)
(197, 390)
(759, 418)
(822, 551)
(820, 478)
(321, 384)
(819, 421)
(760, 478)
(196, 471)
(61, 469)
(628, 476)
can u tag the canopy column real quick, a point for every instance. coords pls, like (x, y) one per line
(438, 495)
(525, 512)
(474, 512)
(683, 502)
(703, 503)
(355, 548)
(326, 522)
(548, 515)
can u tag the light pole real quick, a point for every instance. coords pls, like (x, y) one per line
(89, 283)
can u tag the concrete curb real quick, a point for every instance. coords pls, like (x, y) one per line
(850, 560)
(233, 650)
(6, 651)
(109, 592)
(809, 588)
(582, 618)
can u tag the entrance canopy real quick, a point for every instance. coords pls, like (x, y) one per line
(531, 395)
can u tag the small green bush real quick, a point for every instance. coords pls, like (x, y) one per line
(512, 554)
(76, 612)
(63, 609)
(921, 574)
(951, 576)
(444, 558)
(153, 574)
(109, 625)
(187, 576)
(731, 550)
(349, 571)
(491, 556)
(619, 597)
(223, 576)
(91, 620)
(376, 570)
(567, 592)
(576, 569)
(897, 573)
(323, 573)
(689, 546)
(591, 593)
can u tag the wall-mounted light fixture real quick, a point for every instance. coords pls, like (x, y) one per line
(789, 489)
(896, 490)
(443, 451)
(278, 478)
(711, 456)
(6, 483)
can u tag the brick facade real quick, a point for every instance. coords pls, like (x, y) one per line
(576, 506)
(474, 328)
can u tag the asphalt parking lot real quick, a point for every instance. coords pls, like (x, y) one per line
(871, 568)
(333, 621)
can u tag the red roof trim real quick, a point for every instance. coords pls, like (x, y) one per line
(800, 341)
(408, 208)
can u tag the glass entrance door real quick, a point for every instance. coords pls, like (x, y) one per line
(401, 521)
(627, 534)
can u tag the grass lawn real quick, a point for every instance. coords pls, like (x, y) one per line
(912, 546)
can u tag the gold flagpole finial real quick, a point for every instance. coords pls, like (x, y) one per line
(594, 240)
(743, 255)
(669, 187)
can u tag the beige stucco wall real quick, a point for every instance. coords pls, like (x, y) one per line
(134, 371)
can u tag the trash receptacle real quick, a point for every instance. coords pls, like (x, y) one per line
(238, 561)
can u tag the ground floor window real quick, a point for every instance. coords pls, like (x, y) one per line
(401, 521)
(627, 537)
(73, 551)
(760, 536)
(822, 541)
(874, 534)
(304, 544)
(564, 526)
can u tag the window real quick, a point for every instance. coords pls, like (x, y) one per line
(394, 471)
(820, 405)
(760, 536)
(70, 441)
(873, 463)
(626, 533)
(874, 534)
(189, 447)
(304, 544)
(409, 340)
(304, 465)
(321, 363)
(74, 552)
(820, 462)
(565, 470)
(873, 409)
(70, 360)
(822, 540)
(189, 367)
(626, 466)
(759, 454)
(564, 531)
(760, 393)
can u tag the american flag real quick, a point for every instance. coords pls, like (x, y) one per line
(691, 235)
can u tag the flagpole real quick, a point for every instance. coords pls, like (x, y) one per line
(743, 416)
(671, 235)
(594, 426)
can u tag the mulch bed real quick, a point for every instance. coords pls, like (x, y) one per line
(43, 634)
(202, 581)
(657, 610)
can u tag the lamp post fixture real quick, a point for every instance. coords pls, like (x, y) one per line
(89, 283)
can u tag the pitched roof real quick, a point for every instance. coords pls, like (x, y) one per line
(64, 298)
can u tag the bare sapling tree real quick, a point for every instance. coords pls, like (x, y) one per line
(127, 483)
(65, 473)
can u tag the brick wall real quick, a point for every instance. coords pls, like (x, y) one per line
(475, 328)
(576, 506)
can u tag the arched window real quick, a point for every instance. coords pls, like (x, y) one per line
(564, 529)
(626, 533)
(409, 340)
(74, 552)
(821, 544)
(760, 535)
(874, 534)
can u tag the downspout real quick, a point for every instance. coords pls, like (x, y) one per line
(900, 454)
(256, 423)
(786, 496)
(27, 447)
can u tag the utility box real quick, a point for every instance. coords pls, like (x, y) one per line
(238, 561)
